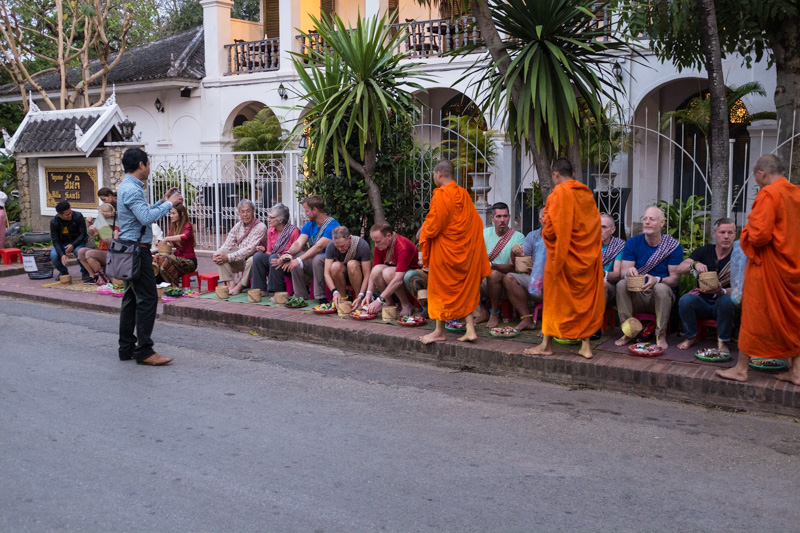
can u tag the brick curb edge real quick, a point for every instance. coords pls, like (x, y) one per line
(644, 377)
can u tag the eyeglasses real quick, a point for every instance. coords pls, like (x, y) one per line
(271, 217)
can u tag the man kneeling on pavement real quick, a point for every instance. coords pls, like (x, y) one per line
(715, 304)
(394, 256)
(347, 261)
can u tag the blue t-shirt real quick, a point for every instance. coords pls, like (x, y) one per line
(311, 229)
(637, 250)
(530, 242)
(610, 266)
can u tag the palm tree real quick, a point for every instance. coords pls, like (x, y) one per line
(698, 112)
(553, 53)
(355, 87)
(261, 134)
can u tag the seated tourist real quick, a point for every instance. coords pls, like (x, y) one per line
(716, 304)
(182, 260)
(69, 234)
(612, 257)
(656, 257)
(107, 196)
(94, 259)
(499, 239)
(516, 283)
(239, 246)
(416, 280)
(267, 272)
(306, 257)
(347, 262)
(394, 256)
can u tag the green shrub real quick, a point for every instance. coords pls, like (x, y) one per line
(8, 183)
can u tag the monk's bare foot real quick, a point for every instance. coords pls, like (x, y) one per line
(433, 336)
(688, 343)
(793, 375)
(542, 349)
(406, 310)
(622, 341)
(469, 336)
(494, 320)
(526, 323)
(662, 341)
(735, 373)
(586, 349)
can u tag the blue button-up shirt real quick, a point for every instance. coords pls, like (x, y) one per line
(133, 211)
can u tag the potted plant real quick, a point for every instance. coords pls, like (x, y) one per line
(472, 149)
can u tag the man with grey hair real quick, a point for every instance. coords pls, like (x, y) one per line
(267, 274)
(655, 256)
(239, 246)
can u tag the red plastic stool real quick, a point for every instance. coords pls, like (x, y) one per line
(704, 324)
(538, 312)
(211, 279)
(186, 280)
(506, 310)
(289, 287)
(648, 317)
(8, 255)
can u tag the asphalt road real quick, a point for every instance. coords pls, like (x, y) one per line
(243, 433)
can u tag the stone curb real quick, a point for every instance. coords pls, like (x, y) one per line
(645, 377)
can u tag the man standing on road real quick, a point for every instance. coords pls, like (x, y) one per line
(453, 249)
(140, 301)
(574, 300)
(771, 298)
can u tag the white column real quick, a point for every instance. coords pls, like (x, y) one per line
(289, 21)
(371, 8)
(217, 33)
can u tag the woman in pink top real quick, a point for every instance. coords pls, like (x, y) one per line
(280, 237)
(183, 259)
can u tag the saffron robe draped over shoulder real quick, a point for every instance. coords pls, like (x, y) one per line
(453, 250)
(771, 296)
(574, 298)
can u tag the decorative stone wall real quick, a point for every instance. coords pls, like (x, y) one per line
(113, 173)
(24, 185)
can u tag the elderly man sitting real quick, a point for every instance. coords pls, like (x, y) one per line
(239, 246)
(716, 304)
(499, 240)
(516, 283)
(656, 257)
(347, 261)
(394, 256)
(612, 257)
(267, 274)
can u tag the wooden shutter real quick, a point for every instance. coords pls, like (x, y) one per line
(393, 11)
(327, 6)
(272, 19)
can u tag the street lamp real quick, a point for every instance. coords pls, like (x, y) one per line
(617, 71)
(126, 129)
(282, 92)
(303, 144)
(159, 105)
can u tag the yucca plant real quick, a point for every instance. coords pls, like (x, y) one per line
(686, 221)
(355, 87)
(263, 133)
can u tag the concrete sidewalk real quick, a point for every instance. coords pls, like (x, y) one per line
(671, 380)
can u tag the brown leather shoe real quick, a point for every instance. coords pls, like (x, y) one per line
(155, 360)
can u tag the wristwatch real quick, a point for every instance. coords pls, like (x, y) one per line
(381, 300)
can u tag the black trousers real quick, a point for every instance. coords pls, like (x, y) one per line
(138, 313)
(265, 276)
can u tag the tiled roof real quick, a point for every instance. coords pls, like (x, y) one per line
(56, 134)
(177, 56)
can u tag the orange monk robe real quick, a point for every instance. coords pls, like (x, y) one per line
(453, 249)
(574, 298)
(771, 296)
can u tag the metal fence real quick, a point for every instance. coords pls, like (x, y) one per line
(213, 185)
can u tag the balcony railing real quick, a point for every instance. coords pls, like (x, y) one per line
(427, 38)
(253, 56)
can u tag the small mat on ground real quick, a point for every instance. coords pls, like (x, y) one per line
(673, 353)
(79, 287)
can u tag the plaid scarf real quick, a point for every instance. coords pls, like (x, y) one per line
(313, 240)
(614, 247)
(247, 231)
(390, 251)
(501, 244)
(283, 238)
(351, 252)
(665, 247)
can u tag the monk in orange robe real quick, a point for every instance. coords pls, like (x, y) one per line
(452, 248)
(771, 298)
(574, 294)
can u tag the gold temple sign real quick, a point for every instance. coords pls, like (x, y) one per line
(77, 185)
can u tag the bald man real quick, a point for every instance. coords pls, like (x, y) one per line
(655, 256)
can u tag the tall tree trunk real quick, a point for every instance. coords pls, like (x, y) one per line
(367, 171)
(720, 115)
(542, 157)
(574, 156)
(786, 52)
